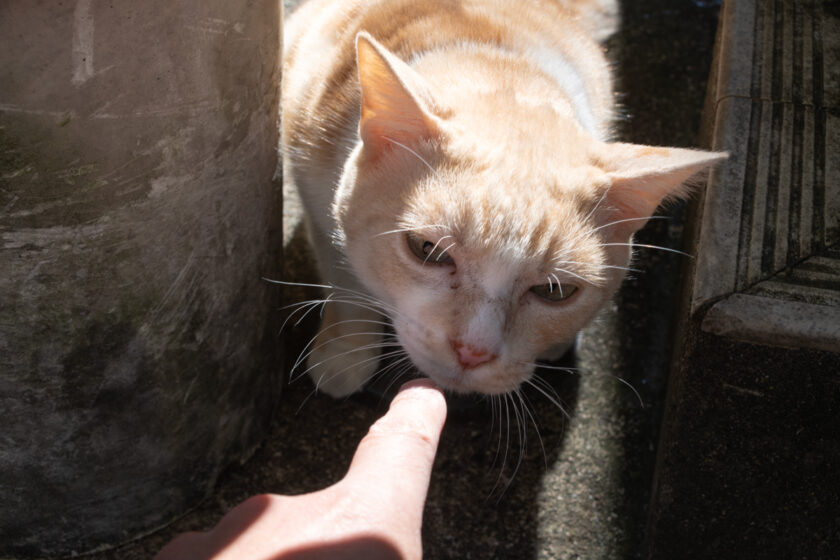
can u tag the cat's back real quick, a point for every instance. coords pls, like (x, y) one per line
(320, 88)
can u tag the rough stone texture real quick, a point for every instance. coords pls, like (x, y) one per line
(747, 463)
(769, 239)
(137, 216)
(749, 455)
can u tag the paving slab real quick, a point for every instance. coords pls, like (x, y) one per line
(768, 249)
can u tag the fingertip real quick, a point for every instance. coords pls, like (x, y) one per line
(425, 391)
(419, 382)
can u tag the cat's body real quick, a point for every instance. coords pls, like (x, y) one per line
(454, 164)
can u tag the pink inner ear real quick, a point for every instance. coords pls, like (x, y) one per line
(632, 202)
(642, 177)
(393, 106)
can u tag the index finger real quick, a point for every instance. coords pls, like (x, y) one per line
(395, 458)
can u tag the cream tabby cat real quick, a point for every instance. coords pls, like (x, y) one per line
(454, 160)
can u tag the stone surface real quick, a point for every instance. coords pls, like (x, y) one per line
(747, 460)
(137, 216)
(749, 454)
(770, 220)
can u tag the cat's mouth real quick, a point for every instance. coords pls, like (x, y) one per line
(493, 378)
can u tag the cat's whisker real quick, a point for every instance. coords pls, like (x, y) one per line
(385, 342)
(405, 366)
(370, 299)
(549, 393)
(397, 362)
(361, 295)
(647, 247)
(559, 284)
(306, 351)
(503, 399)
(496, 411)
(410, 228)
(412, 152)
(643, 218)
(345, 267)
(361, 362)
(293, 377)
(432, 252)
(523, 436)
(635, 392)
(597, 204)
(599, 266)
(347, 292)
(543, 365)
(527, 410)
(304, 356)
(445, 250)
(575, 275)
(372, 306)
(323, 304)
(353, 365)
(582, 373)
(298, 284)
(311, 304)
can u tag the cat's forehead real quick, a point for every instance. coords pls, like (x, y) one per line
(514, 223)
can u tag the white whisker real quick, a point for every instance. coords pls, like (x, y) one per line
(410, 228)
(432, 252)
(578, 276)
(445, 250)
(628, 220)
(597, 204)
(415, 154)
(306, 351)
(646, 247)
(559, 284)
(527, 410)
(549, 393)
(353, 365)
(599, 266)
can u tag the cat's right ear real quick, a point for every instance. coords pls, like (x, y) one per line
(396, 102)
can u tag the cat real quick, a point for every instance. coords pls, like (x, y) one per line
(455, 164)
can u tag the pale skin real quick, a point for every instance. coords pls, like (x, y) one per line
(374, 512)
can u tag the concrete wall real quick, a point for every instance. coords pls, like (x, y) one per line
(138, 215)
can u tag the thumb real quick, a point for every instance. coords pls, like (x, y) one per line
(393, 462)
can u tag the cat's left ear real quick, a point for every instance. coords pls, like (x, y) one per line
(642, 177)
(396, 102)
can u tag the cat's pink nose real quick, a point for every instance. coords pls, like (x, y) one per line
(469, 356)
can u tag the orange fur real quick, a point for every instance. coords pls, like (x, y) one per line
(482, 128)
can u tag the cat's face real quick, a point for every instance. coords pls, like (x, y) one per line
(492, 226)
(488, 264)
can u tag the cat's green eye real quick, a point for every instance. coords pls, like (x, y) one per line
(428, 252)
(554, 292)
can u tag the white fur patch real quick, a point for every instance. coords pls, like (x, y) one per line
(485, 327)
(552, 62)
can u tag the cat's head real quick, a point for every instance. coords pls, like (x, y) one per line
(487, 218)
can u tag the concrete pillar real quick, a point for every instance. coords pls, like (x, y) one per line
(138, 215)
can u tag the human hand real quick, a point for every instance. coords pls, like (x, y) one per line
(375, 512)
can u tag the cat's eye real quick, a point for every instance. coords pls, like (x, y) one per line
(554, 292)
(428, 252)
